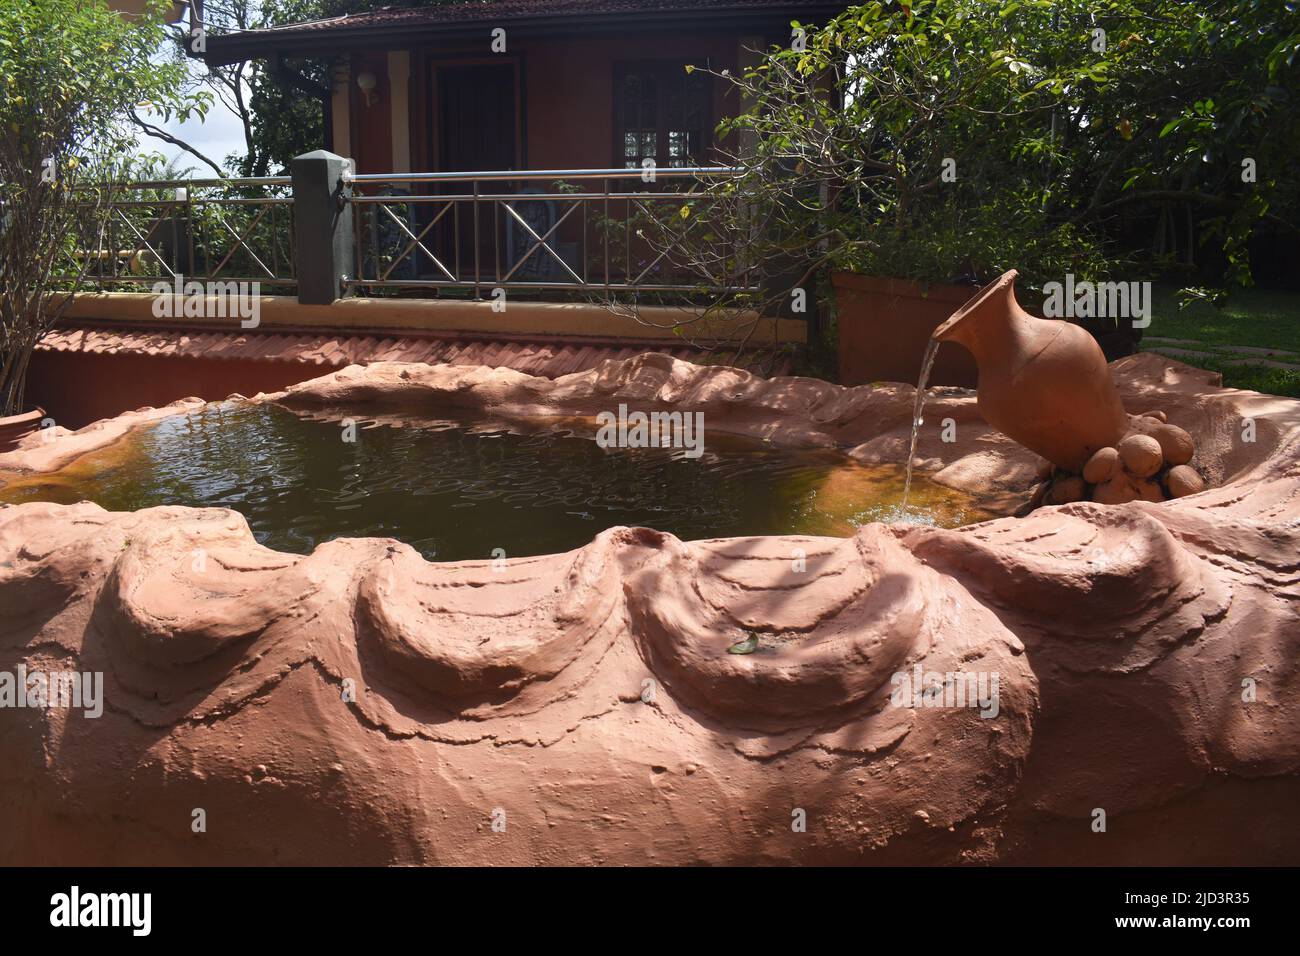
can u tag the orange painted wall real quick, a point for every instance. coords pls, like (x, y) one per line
(567, 94)
(570, 91)
(372, 131)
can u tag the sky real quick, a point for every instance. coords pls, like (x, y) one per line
(216, 137)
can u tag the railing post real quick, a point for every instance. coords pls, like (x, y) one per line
(322, 225)
(176, 244)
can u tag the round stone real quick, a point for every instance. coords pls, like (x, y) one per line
(1101, 466)
(1141, 455)
(1183, 480)
(1067, 489)
(1175, 444)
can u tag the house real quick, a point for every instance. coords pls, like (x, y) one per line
(463, 118)
(537, 89)
(529, 84)
(135, 8)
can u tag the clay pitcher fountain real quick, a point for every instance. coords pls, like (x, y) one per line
(1043, 383)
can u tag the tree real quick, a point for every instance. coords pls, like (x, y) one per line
(278, 103)
(71, 74)
(900, 139)
(1190, 136)
(938, 139)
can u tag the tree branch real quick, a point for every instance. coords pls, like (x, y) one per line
(1222, 203)
(160, 133)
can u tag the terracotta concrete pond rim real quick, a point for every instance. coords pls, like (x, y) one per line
(14, 428)
(924, 695)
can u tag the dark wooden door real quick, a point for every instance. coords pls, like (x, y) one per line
(478, 125)
(476, 133)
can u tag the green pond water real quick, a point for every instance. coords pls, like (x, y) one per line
(457, 490)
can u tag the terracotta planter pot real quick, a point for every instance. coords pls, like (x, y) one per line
(16, 427)
(884, 326)
(135, 8)
(1043, 383)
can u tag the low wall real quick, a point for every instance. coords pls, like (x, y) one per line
(110, 354)
(76, 389)
(457, 315)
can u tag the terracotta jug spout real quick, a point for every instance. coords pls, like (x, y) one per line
(981, 320)
(1044, 383)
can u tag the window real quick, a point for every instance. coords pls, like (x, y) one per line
(662, 112)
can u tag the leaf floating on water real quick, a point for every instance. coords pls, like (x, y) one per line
(748, 646)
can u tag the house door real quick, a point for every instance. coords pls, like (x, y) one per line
(477, 125)
(477, 130)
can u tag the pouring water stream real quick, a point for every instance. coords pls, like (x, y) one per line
(927, 363)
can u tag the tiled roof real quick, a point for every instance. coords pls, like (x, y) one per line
(505, 10)
(335, 351)
(409, 25)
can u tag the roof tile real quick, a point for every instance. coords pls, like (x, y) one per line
(506, 10)
(546, 359)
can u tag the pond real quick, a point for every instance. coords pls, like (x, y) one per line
(460, 490)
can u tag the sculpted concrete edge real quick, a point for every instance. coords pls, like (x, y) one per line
(361, 705)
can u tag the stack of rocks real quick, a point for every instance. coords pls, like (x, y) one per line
(1151, 463)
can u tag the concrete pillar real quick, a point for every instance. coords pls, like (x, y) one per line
(340, 110)
(399, 97)
(174, 232)
(322, 226)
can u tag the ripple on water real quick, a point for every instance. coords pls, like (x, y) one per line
(459, 490)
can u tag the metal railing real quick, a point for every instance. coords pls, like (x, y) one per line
(590, 231)
(578, 230)
(220, 230)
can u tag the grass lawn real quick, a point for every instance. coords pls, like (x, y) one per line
(1256, 318)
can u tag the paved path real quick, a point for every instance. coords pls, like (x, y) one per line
(1227, 354)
